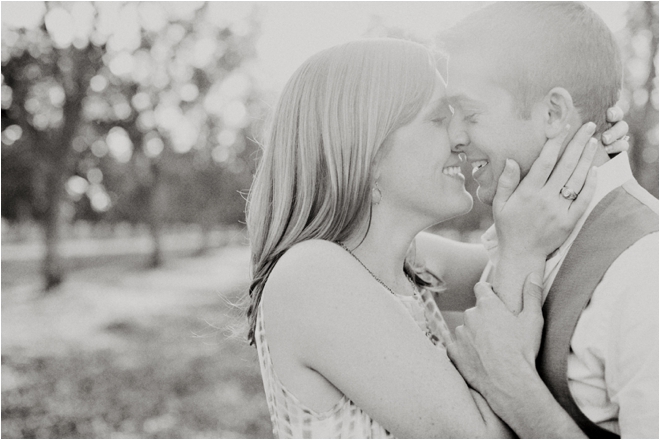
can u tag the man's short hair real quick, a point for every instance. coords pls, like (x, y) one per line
(532, 47)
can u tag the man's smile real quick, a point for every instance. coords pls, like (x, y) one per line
(477, 167)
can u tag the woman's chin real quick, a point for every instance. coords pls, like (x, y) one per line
(456, 209)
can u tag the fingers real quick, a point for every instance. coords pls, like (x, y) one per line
(579, 176)
(579, 205)
(461, 337)
(545, 163)
(506, 184)
(576, 156)
(618, 146)
(483, 290)
(615, 133)
(614, 114)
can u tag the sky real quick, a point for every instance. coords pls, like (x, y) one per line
(293, 31)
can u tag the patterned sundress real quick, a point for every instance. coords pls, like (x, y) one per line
(293, 419)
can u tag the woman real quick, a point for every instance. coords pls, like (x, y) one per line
(358, 163)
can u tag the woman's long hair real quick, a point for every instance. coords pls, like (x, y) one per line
(334, 115)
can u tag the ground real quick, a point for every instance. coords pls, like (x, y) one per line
(120, 351)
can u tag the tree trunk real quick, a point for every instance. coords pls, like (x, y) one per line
(52, 268)
(155, 216)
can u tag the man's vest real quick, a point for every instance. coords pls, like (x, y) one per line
(615, 224)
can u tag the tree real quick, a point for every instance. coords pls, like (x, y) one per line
(111, 106)
(48, 79)
(639, 43)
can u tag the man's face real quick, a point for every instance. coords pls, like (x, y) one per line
(486, 124)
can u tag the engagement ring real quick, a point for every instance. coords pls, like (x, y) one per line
(568, 193)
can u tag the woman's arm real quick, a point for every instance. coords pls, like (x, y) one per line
(325, 312)
(458, 265)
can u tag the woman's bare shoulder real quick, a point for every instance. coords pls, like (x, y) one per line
(309, 272)
(314, 287)
(309, 261)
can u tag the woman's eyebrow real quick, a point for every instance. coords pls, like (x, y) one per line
(462, 100)
(441, 104)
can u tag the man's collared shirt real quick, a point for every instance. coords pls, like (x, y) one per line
(613, 364)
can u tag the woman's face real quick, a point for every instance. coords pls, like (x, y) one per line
(420, 174)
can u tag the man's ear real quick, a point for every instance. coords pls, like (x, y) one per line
(558, 110)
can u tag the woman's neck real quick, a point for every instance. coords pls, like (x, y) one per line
(384, 248)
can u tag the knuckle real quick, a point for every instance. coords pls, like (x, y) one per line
(460, 333)
(469, 315)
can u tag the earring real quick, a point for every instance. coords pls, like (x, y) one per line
(376, 194)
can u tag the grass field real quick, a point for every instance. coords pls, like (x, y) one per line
(120, 351)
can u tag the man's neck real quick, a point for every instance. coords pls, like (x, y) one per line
(601, 156)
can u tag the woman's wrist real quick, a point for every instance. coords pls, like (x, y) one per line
(510, 274)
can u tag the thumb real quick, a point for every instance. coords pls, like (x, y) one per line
(506, 184)
(533, 293)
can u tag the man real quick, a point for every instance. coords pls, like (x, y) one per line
(518, 72)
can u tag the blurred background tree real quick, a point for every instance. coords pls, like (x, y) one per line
(639, 98)
(138, 113)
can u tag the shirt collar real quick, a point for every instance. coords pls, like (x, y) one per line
(612, 174)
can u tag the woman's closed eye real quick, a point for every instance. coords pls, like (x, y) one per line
(439, 120)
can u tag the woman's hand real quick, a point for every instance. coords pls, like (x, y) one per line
(495, 352)
(535, 216)
(494, 348)
(615, 139)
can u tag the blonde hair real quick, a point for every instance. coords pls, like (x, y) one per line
(332, 119)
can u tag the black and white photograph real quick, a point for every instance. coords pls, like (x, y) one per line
(329, 219)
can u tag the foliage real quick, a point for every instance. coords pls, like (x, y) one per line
(639, 43)
(139, 112)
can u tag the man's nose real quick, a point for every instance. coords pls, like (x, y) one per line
(458, 137)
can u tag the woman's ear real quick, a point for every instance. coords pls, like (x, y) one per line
(558, 110)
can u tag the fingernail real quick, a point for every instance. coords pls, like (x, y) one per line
(591, 126)
(509, 164)
(610, 113)
(606, 138)
(536, 279)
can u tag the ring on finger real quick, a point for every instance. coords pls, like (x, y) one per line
(568, 193)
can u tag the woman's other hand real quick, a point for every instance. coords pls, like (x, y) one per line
(615, 139)
(495, 347)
